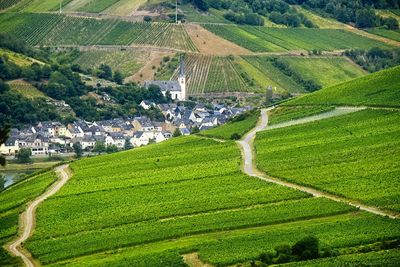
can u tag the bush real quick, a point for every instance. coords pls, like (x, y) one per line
(24, 155)
(235, 136)
(307, 248)
(147, 19)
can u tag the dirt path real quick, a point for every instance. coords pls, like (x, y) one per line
(28, 217)
(250, 168)
(193, 260)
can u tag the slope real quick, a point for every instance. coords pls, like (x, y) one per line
(377, 89)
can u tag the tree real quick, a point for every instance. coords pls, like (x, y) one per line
(391, 23)
(195, 130)
(24, 155)
(177, 133)
(99, 147)
(366, 18)
(111, 149)
(235, 136)
(306, 248)
(128, 144)
(3, 138)
(105, 72)
(118, 78)
(78, 149)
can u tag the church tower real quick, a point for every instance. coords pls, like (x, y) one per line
(182, 78)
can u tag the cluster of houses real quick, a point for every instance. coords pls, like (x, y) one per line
(54, 137)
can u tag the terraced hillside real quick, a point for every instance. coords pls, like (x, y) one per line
(353, 155)
(127, 62)
(263, 39)
(377, 89)
(150, 214)
(207, 74)
(53, 30)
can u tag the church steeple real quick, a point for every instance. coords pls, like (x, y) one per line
(182, 78)
(181, 67)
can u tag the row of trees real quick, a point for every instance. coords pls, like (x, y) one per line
(359, 12)
(375, 59)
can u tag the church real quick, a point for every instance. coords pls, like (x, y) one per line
(177, 89)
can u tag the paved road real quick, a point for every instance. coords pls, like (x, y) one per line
(250, 168)
(29, 217)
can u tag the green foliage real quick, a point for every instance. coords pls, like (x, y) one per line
(24, 155)
(236, 128)
(177, 133)
(287, 113)
(78, 149)
(265, 39)
(99, 147)
(357, 162)
(306, 248)
(377, 89)
(375, 59)
(111, 149)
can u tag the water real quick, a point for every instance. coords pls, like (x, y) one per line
(8, 178)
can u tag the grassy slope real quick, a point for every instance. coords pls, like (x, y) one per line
(12, 202)
(26, 89)
(18, 59)
(394, 35)
(325, 71)
(283, 114)
(377, 89)
(240, 127)
(353, 155)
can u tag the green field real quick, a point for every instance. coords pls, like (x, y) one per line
(53, 30)
(353, 155)
(284, 114)
(261, 69)
(239, 127)
(263, 39)
(95, 6)
(194, 15)
(184, 195)
(127, 62)
(377, 89)
(18, 59)
(325, 71)
(26, 89)
(394, 35)
(206, 74)
(12, 203)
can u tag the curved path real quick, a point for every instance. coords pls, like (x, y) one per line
(28, 217)
(250, 168)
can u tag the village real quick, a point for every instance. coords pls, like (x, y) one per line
(49, 138)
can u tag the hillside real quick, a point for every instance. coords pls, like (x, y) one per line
(377, 89)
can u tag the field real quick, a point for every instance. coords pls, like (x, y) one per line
(67, 30)
(12, 202)
(124, 7)
(26, 89)
(377, 89)
(394, 35)
(284, 114)
(152, 213)
(18, 59)
(207, 74)
(261, 69)
(321, 22)
(193, 15)
(4, 4)
(127, 62)
(263, 39)
(239, 127)
(352, 155)
(325, 71)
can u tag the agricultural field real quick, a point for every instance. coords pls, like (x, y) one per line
(18, 59)
(43, 5)
(127, 62)
(393, 35)
(352, 155)
(239, 127)
(4, 4)
(96, 6)
(12, 203)
(287, 113)
(263, 39)
(321, 22)
(125, 7)
(206, 74)
(377, 89)
(325, 71)
(67, 30)
(152, 214)
(194, 15)
(26, 89)
(265, 74)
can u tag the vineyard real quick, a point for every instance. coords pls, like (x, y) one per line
(127, 62)
(394, 35)
(186, 194)
(352, 155)
(50, 29)
(12, 202)
(207, 74)
(263, 39)
(284, 114)
(377, 89)
(26, 89)
(325, 71)
(4, 4)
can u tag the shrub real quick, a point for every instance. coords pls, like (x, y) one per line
(235, 136)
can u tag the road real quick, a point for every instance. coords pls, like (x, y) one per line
(250, 168)
(28, 217)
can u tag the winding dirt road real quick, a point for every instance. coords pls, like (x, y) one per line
(28, 217)
(251, 170)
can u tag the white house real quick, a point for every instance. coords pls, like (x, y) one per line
(10, 147)
(147, 104)
(140, 139)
